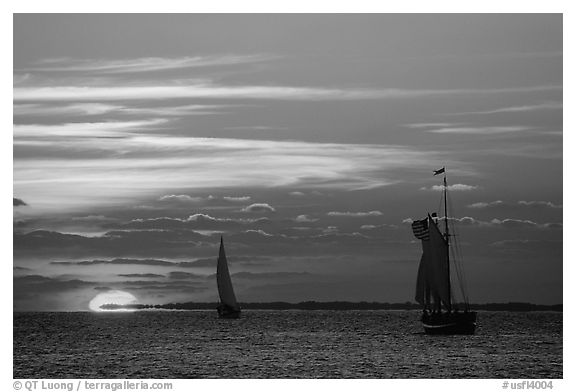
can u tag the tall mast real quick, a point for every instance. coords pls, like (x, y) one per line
(447, 236)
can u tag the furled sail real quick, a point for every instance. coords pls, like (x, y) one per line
(225, 289)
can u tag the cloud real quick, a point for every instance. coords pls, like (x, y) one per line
(521, 203)
(147, 262)
(36, 292)
(259, 238)
(454, 187)
(297, 194)
(464, 128)
(180, 198)
(235, 199)
(103, 288)
(119, 261)
(518, 223)
(94, 109)
(174, 287)
(93, 218)
(141, 275)
(88, 108)
(545, 204)
(516, 109)
(16, 268)
(457, 187)
(496, 203)
(116, 244)
(355, 214)
(430, 125)
(377, 227)
(173, 111)
(214, 91)
(144, 64)
(208, 218)
(37, 284)
(257, 128)
(21, 78)
(193, 222)
(330, 230)
(181, 275)
(208, 199)
(254, 233)
(144, 262)
(259, 208)
(18, 202)
(75, 169)
(513, 223)
(42, 293)
(298, 229)
(173, 248)
(507, 223)
(304, 219)
(250, 260)
(482, 130)
(331, 235)
(84, 130)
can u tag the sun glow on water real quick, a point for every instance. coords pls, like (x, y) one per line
(116, 297)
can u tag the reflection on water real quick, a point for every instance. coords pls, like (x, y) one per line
(282, 344)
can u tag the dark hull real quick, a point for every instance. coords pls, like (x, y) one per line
(449, 323)
(227, 312)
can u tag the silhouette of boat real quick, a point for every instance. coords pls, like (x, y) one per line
(440, 315)
(228, 307)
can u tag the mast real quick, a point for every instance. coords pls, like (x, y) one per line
(447, 236)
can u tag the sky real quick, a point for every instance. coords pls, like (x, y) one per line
(307, 141)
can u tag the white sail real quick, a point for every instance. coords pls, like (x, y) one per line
(225, 289)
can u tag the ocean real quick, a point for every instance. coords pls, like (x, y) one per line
(282, 344)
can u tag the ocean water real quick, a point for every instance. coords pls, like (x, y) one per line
(282, 344)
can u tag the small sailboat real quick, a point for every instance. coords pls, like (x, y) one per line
(228, 307)
(440, 315)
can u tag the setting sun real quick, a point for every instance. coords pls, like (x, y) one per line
(115, 297)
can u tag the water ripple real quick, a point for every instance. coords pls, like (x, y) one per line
(282, 344)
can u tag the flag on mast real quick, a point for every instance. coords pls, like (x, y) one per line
(439, 171)
(420, 229)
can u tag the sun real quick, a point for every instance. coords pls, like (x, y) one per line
(116, 297)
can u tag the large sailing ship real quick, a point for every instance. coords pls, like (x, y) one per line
(228, 307)
(441, 314)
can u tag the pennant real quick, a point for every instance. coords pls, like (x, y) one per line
(439, 171)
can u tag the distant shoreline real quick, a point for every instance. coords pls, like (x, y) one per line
(335, 305)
